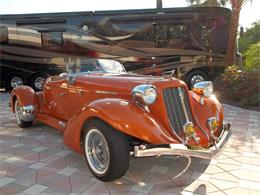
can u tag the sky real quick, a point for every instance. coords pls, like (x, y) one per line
(250, 13)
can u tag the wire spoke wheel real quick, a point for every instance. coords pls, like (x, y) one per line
(18, 112)
(106, 151)
(97, 151)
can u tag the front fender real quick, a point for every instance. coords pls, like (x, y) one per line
(211, 107)
(122, 115)
(25, 95)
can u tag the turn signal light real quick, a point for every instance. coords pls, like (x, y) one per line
(213, 124)
(189, 129)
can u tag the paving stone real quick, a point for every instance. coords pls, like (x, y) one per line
(3, 168)
(63, 153)
(13, 159)
(6, 180)
(60, 185)
(12, 188)
(167, 188)
(237, 191)
(26, 178)
(15, 169)
(200, 176)
(158, 178)
(39, 149)
(251, 185)
(98, 188)
(142, 187)
(67, 171)
(35, 189)
(37, 165)
(225, 176)
(159, 169)
(57, 163)
(222, 184)
(45, 174)
(250, 167)
(80, 183)
(17, 145)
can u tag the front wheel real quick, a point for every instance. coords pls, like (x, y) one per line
(106, 151)
(18, 116)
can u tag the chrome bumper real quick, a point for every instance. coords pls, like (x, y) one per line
(182, 150)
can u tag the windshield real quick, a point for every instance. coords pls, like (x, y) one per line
(96, 66)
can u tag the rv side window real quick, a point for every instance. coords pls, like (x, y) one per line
(171, 35)
(3, 34)
(177, 34)
(51, 39)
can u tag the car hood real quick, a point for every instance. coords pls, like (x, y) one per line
(123, 83)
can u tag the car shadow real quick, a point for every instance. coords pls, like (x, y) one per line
(169, 174)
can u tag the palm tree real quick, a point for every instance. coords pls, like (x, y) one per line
(231, 47)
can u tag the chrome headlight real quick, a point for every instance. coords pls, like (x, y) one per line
(146, 94)
(204, 88)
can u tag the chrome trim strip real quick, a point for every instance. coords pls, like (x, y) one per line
(205, 133)
(106, 92)
(180, 139)
(183, 104)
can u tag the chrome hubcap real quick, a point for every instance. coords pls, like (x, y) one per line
(16, 81)
(97, 151)
(39, 81)
(18, 112)
(196, 79)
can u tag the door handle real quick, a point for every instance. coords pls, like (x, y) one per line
(79, 92)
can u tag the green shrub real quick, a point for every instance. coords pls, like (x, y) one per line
(252, 57)
(239, 86)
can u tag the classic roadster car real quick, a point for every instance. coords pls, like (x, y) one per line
(110, 116)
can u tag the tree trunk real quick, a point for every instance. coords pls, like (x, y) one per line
(232, 39)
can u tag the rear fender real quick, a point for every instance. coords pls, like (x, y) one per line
(25, 95)
(122, 115)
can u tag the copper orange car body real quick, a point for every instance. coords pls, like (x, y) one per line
(69, 106)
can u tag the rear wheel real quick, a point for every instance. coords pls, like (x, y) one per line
(14, 80)
(18, 116)
(106, 151)
(196, 76)
(38, 81)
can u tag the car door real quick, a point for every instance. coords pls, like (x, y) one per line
(54, 91)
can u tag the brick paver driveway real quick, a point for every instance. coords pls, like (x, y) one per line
(35, 161)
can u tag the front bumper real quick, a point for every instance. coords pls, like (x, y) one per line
(182, 150)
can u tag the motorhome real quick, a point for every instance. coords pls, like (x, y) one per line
(191, 41)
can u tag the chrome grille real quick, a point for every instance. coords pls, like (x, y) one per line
(177, 107)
